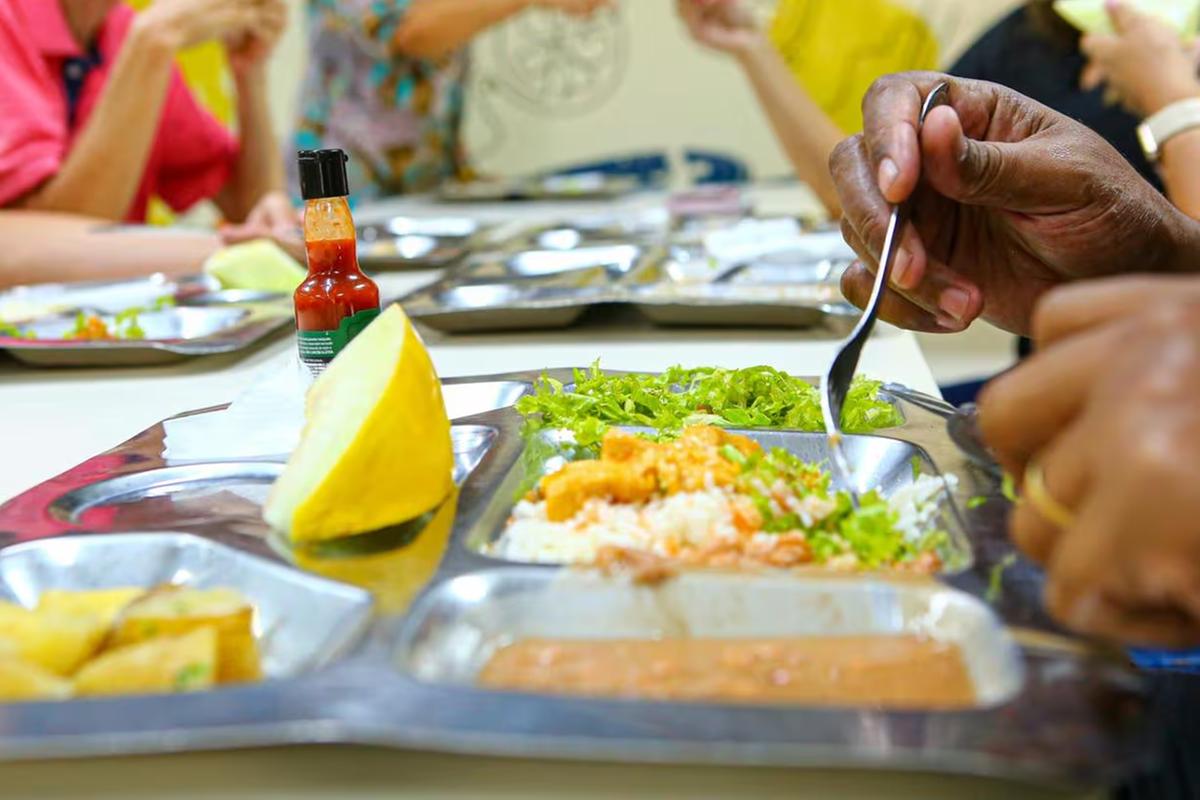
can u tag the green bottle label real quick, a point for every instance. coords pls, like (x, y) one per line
(318, 348)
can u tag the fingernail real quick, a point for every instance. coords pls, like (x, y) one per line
(900, 269)
(955, 302)
(888, 173)
(951, 325)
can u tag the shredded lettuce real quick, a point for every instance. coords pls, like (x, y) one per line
(755, 397)
(996, 577)
(1008, 488)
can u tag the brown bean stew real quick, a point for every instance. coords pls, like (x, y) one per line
(878, 671)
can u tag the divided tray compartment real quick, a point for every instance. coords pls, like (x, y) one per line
(890, 464)
(402, 243)
(791, 289)
(527, 290)
(203, 495)
(1049, 710)
(303, 622)
(453, 631)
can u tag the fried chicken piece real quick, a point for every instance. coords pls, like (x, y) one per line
(567, 490)
(632, 470)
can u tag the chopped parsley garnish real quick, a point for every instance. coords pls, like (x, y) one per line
(191, 676)
(13, 332)
(755, 397)
(127, 324)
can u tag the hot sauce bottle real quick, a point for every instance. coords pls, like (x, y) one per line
(336, 301)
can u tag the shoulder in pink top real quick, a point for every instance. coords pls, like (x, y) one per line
(192, 155)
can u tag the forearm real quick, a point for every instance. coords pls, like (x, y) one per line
(806, 133)
(1180, 168)
(433, 28)
(102, 171)
(259, 166)
(60, 247)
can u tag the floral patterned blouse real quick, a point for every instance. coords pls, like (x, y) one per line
(398, 117)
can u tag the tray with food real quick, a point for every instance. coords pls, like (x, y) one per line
(631, 567)
(138, 321)
(417, 242)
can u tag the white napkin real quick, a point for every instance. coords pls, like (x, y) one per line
(753, 239)
(264, 421)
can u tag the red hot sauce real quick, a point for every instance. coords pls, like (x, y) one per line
(336, 301)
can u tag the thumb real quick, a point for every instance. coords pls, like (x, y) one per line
(998, 174)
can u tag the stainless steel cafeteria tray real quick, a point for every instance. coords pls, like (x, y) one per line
(585, 186)
(402, 242)
(200, 319)
(1049, 708)
(669, 285)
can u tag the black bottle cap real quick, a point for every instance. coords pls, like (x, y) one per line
(323, 174)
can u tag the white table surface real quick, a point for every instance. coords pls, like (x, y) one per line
(51, 420)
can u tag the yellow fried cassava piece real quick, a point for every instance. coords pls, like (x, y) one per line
(376, 448)
(56, 642)
(167, 664)
(173, 611)
(22, 680)
(104, 604)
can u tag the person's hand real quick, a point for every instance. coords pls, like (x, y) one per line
(1145, 64)
(273, 217)
(183, 23)
(576, 8)
(251, 48)
(1009, 199)
(725, 25)
(1107, 410)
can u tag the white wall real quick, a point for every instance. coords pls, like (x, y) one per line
(669, 93)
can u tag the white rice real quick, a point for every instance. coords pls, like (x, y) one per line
(664, 525)
(659, 526)
(918, 504)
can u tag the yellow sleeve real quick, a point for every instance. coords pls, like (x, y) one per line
(837, 48)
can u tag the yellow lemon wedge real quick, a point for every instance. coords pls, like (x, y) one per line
(376, 448)
(1090, 16)
(260, 266)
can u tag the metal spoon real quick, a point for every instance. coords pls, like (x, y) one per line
(836, 382)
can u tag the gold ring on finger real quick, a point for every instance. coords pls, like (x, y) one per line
(1040, 498)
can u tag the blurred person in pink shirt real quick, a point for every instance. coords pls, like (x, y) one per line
(95, 118)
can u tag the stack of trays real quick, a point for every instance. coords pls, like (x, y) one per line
(549, 277)
(1042, 706)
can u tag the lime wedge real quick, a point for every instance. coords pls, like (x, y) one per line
(260, 266)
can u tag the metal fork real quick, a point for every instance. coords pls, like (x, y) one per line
(836, 382)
